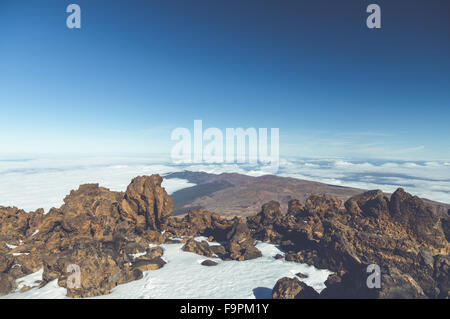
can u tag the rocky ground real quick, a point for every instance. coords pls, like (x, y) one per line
(108, 235)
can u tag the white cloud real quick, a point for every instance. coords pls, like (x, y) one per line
(44, 182)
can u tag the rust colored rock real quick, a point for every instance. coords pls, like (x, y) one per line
(149, 264)
(295, 207)
(292, 288)
(147, 202)
(371, 204)
(320, 204)
(241, 244)
(199, 248)
(421, 220)
(7, 284)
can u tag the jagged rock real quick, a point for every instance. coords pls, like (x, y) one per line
(208, 262)
(241, 243)
(16, 224)
(278, 256)
(321, 204)
(295, 207)
(327, 237)
(7, 284)
(421, 220)
(218, 250)
(371, 204)
(145, 264)
(446, 227)
(292, 288)
(147, 202)
(199, 248)
(398, 285)
(96, 229)
(301, 275)
(442, 274)
(270, 212)
(286, 288)
(153, 252)
(101, 268)
(200, 222)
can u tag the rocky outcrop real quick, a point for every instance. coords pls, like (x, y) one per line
(198, 247)
(370, 204)
(96, 230)
(101, 268)
(200, 222)
(401, 234)
(241, 244)
(292, 288)
(420, 220)
(146, 202)
(16, 225)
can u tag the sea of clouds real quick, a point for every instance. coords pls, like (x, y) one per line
(34, 182)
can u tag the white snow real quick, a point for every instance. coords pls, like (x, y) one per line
(184, 277)
(137, 255)
(31, 280)
(18, 254)
(11, 246)
(35, 232)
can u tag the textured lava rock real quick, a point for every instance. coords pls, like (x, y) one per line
(147, 202)
(292, 288)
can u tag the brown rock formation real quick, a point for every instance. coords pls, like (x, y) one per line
(96, 229)
(292, 288)
(147, 202)
(401, 235)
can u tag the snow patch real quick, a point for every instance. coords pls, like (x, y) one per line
(184, 277)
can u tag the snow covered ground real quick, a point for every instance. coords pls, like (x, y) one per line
(184, 277)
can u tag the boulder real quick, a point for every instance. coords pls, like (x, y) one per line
(371, 204)
(199, 248)
(209, 262)
(292, 288)
(240, 244)
(147, 202)
(295, 207)
(145, 264)
(420, 219)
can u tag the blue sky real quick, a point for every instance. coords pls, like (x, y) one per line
(138, 69)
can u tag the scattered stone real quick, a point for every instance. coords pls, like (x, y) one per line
(208, 262)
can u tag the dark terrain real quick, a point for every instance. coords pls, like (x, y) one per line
(232, 194)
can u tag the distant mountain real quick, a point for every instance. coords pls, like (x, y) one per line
(232, 194)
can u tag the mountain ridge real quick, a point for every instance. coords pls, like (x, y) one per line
(233, 194)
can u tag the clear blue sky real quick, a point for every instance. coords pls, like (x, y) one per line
(138, 69)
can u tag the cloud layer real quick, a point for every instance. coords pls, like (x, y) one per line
(30, 183)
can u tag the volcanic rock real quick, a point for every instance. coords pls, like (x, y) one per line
(292, 288)
(208, 262)
(198, 247)
(147, 202)
(241, 245)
